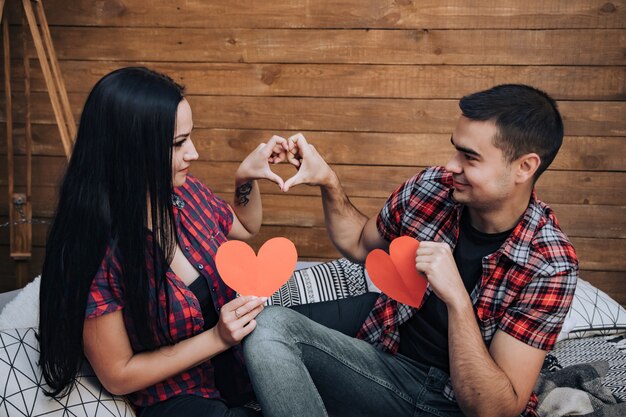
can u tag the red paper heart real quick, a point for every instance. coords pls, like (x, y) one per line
(261, 275)
(395, 274)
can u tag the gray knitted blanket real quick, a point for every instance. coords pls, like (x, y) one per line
(577, 390)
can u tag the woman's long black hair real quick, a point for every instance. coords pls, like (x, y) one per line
(118, 187)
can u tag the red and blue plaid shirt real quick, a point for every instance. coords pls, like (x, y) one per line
(526, 286)
(202, 222)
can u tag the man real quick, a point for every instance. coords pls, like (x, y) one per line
(501, 276)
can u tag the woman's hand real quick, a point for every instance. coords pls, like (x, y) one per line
(312, 168)
(256, 165)
(237, 319)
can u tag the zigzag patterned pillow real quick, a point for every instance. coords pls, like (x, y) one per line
(21, 382)
(593, 313)
(323, 282)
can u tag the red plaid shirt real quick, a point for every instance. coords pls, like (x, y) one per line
(202, 221)
(526, 287)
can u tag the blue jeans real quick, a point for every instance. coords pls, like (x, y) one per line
(301, 368)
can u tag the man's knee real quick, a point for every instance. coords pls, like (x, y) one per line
(274, 317)
(275, 321)
(275, 325)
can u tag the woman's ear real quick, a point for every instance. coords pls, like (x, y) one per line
(527, 166)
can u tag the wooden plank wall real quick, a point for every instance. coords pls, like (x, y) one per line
(374, 84)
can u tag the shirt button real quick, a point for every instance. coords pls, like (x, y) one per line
(218, 309)
(213, 289)
(200, 266)
(187, 248)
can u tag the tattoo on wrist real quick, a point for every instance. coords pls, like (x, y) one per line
(242, 193)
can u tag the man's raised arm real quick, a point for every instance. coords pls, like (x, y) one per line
(351, 231)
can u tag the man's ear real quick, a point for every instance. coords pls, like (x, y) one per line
(526, 167)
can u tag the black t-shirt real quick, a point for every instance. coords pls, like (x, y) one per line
(424, 337)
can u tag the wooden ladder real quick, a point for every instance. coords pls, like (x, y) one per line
(20, 208)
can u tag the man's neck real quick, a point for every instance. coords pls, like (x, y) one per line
(499, 219)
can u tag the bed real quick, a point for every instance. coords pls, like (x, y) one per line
(593, 340)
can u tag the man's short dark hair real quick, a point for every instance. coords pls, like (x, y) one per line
(527, 120)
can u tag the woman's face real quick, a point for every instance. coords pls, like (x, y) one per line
(183, 151)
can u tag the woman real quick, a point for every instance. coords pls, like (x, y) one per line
(129, 278)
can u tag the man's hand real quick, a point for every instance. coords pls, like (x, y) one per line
(312, 169)
(256, 164)
(435, 259)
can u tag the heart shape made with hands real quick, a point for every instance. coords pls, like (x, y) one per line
(292, 156)
(395, 274)
(262, 275)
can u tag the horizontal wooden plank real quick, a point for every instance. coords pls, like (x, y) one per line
(47, 171)
(570, 187)
(46, 140)
(357, 46)
(447, 14)
(580, 220)
(576, 220)
(380, 181)
(354, 81)
(601, 254)
(591, 153)
(554, 187)
(231, 145)
(588, 221)
(593, 118)
(305, 211)
(381, 115)
(612, 283)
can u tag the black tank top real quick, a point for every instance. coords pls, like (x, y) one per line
(225, 362)
(200, 288)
